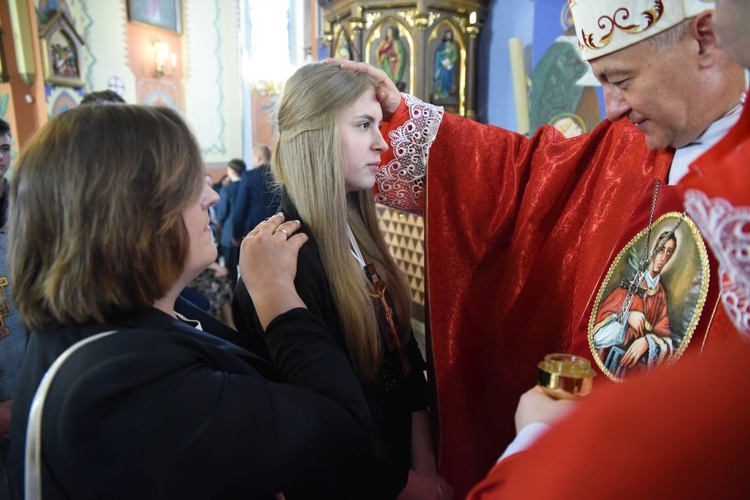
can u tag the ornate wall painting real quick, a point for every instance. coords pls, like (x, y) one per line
(60, 98)
(117, 85)
(61, 51)
(154, 92)
(46, 9)
(564, 91)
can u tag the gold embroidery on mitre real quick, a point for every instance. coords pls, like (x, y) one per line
(623, 20)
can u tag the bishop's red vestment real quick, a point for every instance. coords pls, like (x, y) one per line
(627, 442)
(688, 421)
(519, 233)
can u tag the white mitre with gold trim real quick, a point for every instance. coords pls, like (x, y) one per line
(606, 26)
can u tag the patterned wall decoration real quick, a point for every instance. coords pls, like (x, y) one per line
(204, 33)
(404, 234)
(158, 93)
(47, 8)
(61, 98)
(117, 85)
(564, 91)
(77, 13)
(4, 102)
(4, 111)
(107, 39)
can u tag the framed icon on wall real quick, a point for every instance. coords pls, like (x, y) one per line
(165, 14)
(61, 52)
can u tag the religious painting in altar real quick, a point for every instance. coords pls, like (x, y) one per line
(651, 299)
(342, 47)
(320, 34)
(445, 64)
(564, 91)
(389, 47)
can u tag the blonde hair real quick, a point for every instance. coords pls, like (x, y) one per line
(308, 162)
(96, 213)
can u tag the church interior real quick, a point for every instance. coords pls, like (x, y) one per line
(222, 65)
(569, 243)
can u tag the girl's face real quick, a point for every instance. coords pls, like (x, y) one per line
(202, 248)
(361, 142)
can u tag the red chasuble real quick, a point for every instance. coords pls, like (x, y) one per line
(519, 235)
(677, 433)
(717, 196)
(690, 420)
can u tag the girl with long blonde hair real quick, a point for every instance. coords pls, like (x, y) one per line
(326, 155)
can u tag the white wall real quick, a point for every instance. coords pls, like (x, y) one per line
(213, 103)
(107, 46)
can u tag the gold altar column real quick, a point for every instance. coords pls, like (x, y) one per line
(471, 74)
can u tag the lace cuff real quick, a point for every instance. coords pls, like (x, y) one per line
(401, 181)
(722, 226)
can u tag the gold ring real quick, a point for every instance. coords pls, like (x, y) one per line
(282, 230)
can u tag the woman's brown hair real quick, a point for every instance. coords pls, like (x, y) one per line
(96, 213)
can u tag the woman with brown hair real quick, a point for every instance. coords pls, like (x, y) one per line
(109, 221)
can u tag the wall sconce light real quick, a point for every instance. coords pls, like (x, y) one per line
(164, 61)
(267, 87)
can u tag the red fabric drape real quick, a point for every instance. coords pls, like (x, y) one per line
(520, 232)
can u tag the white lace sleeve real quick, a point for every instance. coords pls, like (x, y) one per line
(724, 227)
(401, 182)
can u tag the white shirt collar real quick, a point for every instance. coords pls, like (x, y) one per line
(652, 281)
(192, 322)
(686, 155)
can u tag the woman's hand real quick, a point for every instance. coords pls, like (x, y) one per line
(387, 93)
(268, 265)
(535, 406)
